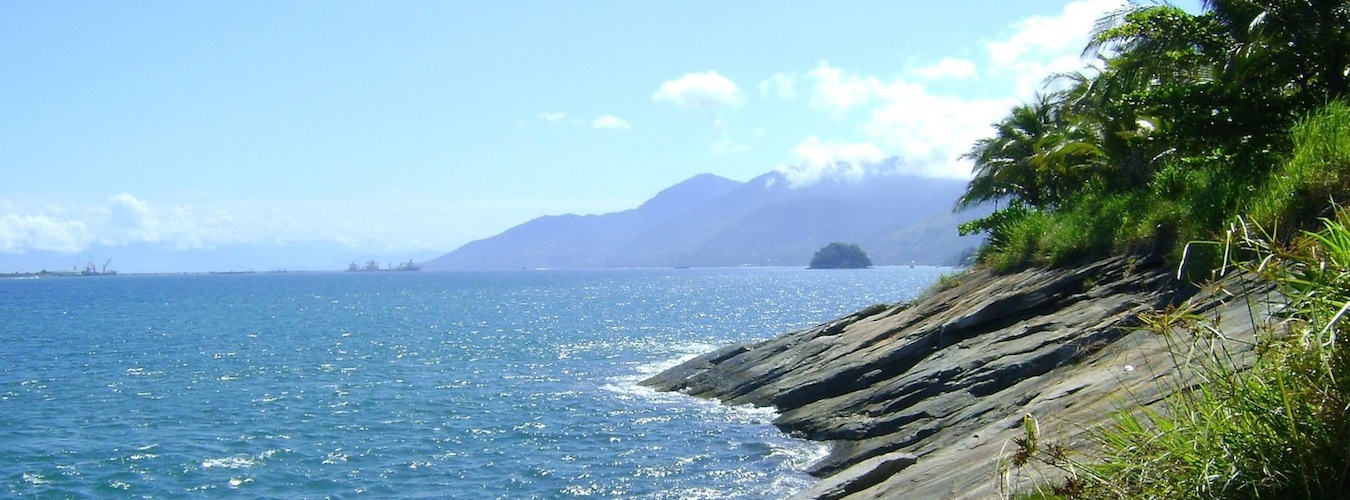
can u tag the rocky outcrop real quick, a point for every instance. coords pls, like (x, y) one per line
(922, 400)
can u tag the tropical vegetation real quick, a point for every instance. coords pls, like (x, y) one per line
(1185, 121)
(1232, 425)
(1230, 125)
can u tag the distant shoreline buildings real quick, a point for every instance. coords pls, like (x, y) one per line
(373, 266)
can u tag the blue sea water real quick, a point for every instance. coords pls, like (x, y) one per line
(460, 385)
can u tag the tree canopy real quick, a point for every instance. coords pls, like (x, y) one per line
(1183, 122)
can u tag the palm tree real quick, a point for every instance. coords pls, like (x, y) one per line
(1007, 164)
(1160, 44)
(1040, 154)
(1208, 84)
(1297, 46)
(1109, 139)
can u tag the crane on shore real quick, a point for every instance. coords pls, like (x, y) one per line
(91, 270)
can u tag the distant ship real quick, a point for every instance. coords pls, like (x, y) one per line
(375, 266)
(91, 270)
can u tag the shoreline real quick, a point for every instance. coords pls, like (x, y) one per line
(921, 399)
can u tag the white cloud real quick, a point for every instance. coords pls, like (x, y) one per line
(700, 90)
(1040, 35)
(122, 219)
(610, 122)
(837, 91)
(817, 159)
(552, 116)
(781, 85)
(926, 126)
(131, 220)
(928, 130)
(817, 152)
(20, 233)
(948, 69)
(1040, 46)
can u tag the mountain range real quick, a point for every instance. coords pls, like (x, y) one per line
(711, 221)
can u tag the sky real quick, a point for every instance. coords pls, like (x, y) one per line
(405, 129)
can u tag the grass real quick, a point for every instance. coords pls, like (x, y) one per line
(1089, 226)
(1275, 424)
(1318, 171)
(1270, 422)
(946, 281)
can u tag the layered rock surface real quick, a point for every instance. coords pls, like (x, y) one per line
(922, 400)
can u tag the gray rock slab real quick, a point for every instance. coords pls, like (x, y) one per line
(948, 378)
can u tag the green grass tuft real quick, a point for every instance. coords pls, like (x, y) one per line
(1317, 173)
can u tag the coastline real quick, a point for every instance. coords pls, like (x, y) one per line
(923, 399)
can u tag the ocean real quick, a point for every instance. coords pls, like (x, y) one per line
(444, 385)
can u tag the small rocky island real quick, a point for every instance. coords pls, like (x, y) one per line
(840, 256)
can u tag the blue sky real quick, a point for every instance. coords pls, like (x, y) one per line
(405, 129)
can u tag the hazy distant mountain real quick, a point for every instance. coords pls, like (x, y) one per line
(712, 221)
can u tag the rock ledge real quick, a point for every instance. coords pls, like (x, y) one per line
(919, 400)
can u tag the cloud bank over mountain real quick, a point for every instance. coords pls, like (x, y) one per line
(915, 114)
